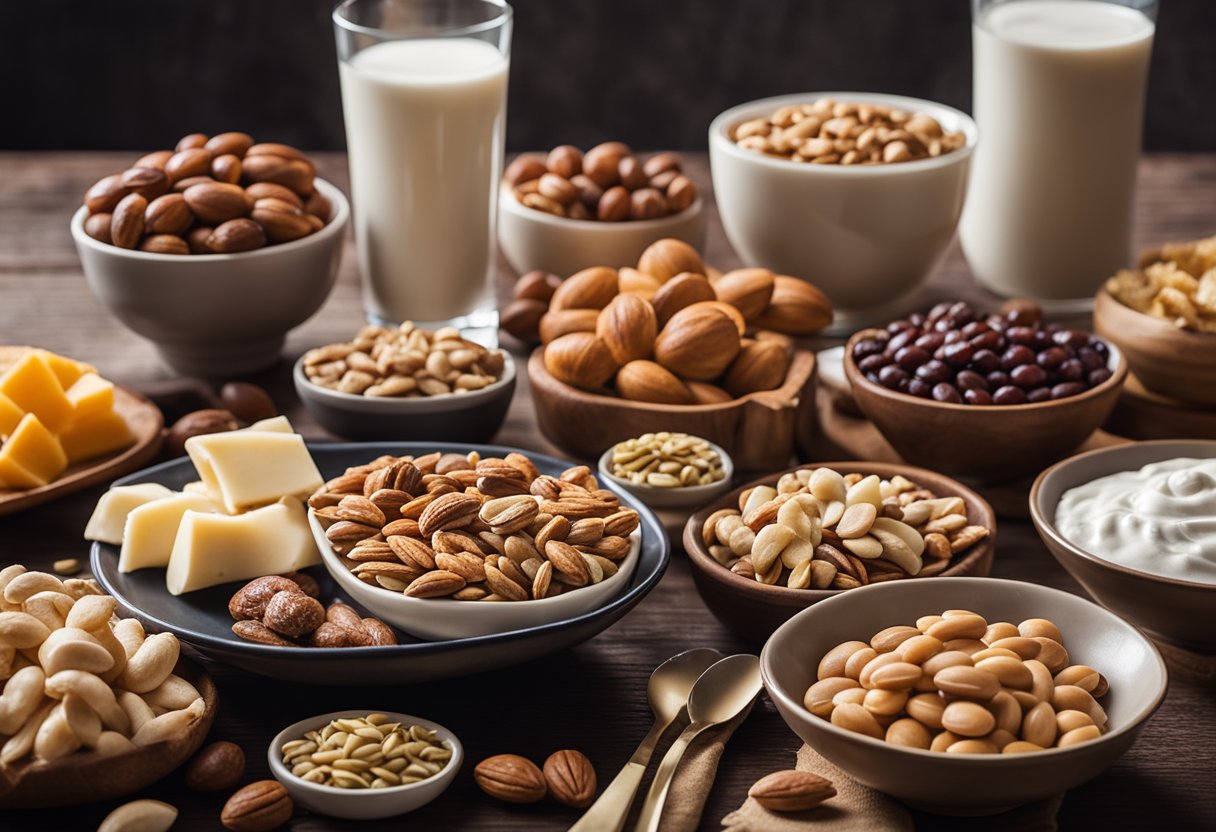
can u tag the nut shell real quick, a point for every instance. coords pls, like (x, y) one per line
(698, 343)
(581, 359)
(571, 778)
(510, 778)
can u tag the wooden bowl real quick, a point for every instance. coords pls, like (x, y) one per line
(1174, 362)
(754, 610)
(996, 443)
(759, 431)
(86, 777)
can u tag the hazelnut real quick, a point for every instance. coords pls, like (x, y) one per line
(247, 402)
(198, 423)
(219, 766)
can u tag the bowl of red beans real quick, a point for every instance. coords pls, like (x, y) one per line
(992, 396)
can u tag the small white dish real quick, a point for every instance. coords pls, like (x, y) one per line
(689, 497)
(439, 619)
(362, 804)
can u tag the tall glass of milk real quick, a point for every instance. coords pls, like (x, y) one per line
(1059, 100)
(424, 96)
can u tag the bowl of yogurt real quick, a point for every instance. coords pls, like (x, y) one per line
(1136, 526)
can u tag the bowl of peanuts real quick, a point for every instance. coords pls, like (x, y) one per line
(859, 192)
(964, 696)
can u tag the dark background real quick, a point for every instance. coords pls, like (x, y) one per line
(137, 74)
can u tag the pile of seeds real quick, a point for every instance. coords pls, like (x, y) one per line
(366, 753)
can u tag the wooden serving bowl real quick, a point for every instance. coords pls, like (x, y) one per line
(1174, 362)
(996, 443)
(760, 430)
(86, 777)
(754, 610)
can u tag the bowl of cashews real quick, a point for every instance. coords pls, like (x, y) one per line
(91, 707)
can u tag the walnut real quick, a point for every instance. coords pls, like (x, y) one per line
(249, 603)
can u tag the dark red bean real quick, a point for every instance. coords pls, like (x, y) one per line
(1028, 376)
(977, 397)
(970, 380)
(902, 339)
(1038, 394)
(1020, 335)
(930, 341)
(919, 388)
(962, 313)
(872, 377)
(990, 340)
(890, 376)
(952, 337)
(1099, 347)
(1009, 395)
(911, 357)
(946, 393)
(873, 363)
(1089, 358)
(1098, 376)
(1071, 370)
(917, 318)
(975, 328)
(1070, 337)
(896, 327)
(938, 311)
(933, 372)
(1068, 388)
(958, 355)
(866, 347)
(1049, 359)
(1016, 356)
(986, 361)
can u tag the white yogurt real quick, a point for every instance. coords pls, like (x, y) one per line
(1160, 519)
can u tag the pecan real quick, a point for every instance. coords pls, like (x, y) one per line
(379, 632)
(249, 602)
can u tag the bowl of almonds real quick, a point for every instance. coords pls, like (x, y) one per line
(778, 545)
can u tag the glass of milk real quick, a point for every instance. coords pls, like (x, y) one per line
(424, 96)
(1059, 99)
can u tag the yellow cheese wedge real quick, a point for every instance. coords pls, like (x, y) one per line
(216, 548)
(10, 416)
(32, 456)
(67, 370)
(248, 469)
(197, 487)
(110, 514)
(90, 395)
(15, 475)
(95, 435)
(151, 529)
(275, 424)
(35, 389)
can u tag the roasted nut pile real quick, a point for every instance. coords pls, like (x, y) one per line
(473, 529)
(217, 195)
(954, 354)
(958, 684)
(406, 362)
(78, 677)
(568, 777)
(608, 183)
(285, 610)
(819, 529)
(829, 132)
(1176, 283)
(667, 460)
(368, 752)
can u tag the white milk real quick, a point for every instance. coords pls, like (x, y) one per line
(1059, 99)
(424, 128)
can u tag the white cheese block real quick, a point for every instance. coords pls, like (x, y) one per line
(151, 529)
(247, 469)
(197, 487)
(275, 424)
(216, 548)
(112, 509)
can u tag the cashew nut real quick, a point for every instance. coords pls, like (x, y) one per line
(130, 634)
(91, 612)
(20, 743)
(136, 709)
(80, 587)
(7, 654)
(83, 720)
(55, 738)
(174, 693)
(20, 630)
(140, 816)
(105, 637)
(8, 573)
(22, 586)
(50, 607)
(95, 692)
(171, 724)
(151, 664)
(112, 742)
(73, 649)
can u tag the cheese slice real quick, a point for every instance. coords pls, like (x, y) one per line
(10, 416)
(32, 456)
(196, 487)
(95, 435)
(275, 424)
(151, 529)
(34, 388)
(67, 370)
(110, 514)
(90, 395)
(248, 469)
(214, 549)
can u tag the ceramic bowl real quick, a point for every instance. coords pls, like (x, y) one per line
(362, 804)
(217, 315)
(531, 239)
(866, 235)
(468, 417)
(673, 498)
(966, 784)
(1174, 362)
(753, 610)
(1175, 610)
(989, 444)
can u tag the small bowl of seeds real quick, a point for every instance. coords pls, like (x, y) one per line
(364, 765)
(667, 470)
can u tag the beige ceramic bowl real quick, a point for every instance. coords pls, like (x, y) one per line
(217, 315)
(1177, 611)
(966, 784)
(532, 239)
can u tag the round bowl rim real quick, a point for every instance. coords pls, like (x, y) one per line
(777, 692)
(1039, 513)
(334, 227)
(693, 493)
(507, 202)
(1105, 302)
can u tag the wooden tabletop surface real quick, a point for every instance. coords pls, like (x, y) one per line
(593, 696)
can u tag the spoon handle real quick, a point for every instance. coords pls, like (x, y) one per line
(652, 809)
(610, 810)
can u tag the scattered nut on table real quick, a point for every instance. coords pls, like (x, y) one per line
(791, 791)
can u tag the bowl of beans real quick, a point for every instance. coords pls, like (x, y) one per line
(994, 397)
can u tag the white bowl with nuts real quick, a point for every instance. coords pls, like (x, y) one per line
(867, 227)
(363, 765)
(669, 470)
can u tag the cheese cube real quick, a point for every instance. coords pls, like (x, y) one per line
(248, 469)
(275, 424)
(110, 515)
(32, 456)
(10, 416)
(95, 435)
(90, 395)
(151, 529)
(67, 370)
(214, 549)
(35, 389)
(196, 487)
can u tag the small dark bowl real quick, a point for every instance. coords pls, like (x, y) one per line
(754, 610)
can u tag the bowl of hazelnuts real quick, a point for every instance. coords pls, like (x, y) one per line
(213, 250)
(569, 210)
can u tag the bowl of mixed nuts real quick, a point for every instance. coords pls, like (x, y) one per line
(669, 470)
(774, 547)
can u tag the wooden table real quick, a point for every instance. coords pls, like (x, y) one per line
(592, 697)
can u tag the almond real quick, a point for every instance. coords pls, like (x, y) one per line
(285, 151)
(295, 174)
(698, 343)
(591, 288)
(796, 308)
(235, 143)
(640, 283)
(760, 365)
(281, 220)
(524, 168)
(147, 182)
(448, 511)
(127, 224)
(571, 778)
(556, 323)
(730, 311)
(580, 359)
(269, 190)
(791, 791)
(628, 327)
(97, 226)
(703, 393)
(164, 244)
(226, 168)
(568, 562)
(261, 806)
(105, 194)
(193, 161)
(664, 259)
(156, 159)
(681, 291)
(234, 236)
(646, 381)
(521, 317)
(602, 163)
(167, 214)
(216, 202)
(748, 290)
(435, 584)
(510, 778)
(191, 141)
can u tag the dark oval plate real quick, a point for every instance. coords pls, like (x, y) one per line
(201, 618)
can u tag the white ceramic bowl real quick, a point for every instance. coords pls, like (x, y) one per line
(439, 619)
(532, 239)
(468, 417)
(362, 804)
(217, 315)
(697, 495)
(968, 784)
(867, 235)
